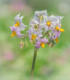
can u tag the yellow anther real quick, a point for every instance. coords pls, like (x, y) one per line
(57, 28)
(33, 36)
(43, 45)
(48, 23)
(13, 34)
(61, 30)
(17, 24)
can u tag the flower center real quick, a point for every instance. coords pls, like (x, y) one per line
(48, 23)
(17, 24)
(36, 26)
(34, 36)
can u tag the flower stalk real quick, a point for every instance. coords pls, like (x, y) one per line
(34, 60)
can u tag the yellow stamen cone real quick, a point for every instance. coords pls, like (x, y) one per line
(57, 28)
(17, 24)
(34, 37)
(13, 34)
(61, 30)
(43, 45)
(48, 23)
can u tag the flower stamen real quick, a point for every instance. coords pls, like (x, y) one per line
(43, 45)
(48, 23)
(61, 30)
(13, 34)
(57, 28)
(17, 24)
(33, 36)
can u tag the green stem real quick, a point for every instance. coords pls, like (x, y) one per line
(34, 60)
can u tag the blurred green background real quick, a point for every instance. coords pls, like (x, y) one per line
(15, 63)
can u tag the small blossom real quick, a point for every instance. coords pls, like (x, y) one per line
(13, 29)
(40, 16)
(41, 43)
(35, 31)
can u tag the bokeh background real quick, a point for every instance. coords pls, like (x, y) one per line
(15, 63)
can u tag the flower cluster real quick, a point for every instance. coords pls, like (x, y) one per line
(43, 29)
(18, 27)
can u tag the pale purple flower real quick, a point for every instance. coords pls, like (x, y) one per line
(43, 40)
(40, 16)
(18, 27)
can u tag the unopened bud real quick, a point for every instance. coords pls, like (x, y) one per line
(21, 44)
